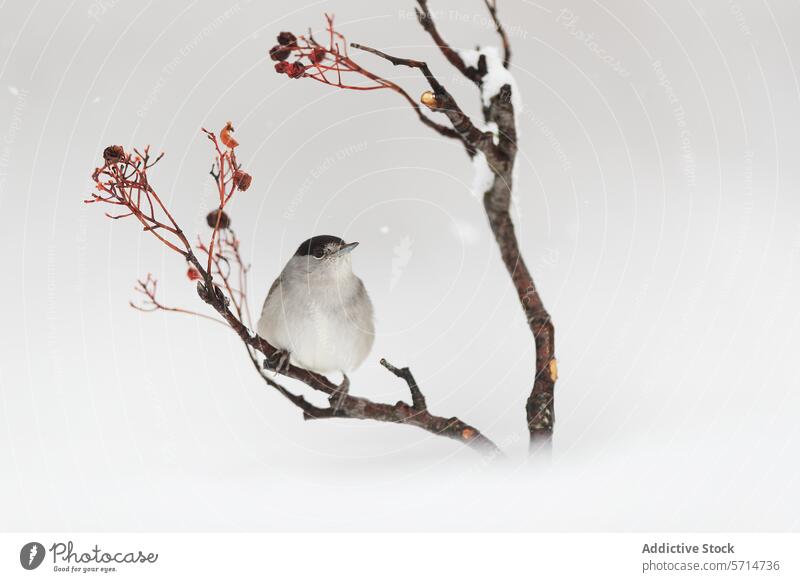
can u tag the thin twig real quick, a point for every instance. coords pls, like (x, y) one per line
(148, 287)
(444, 102)
(417, 398)
(426, 21)
(334, 58)
(491, 6)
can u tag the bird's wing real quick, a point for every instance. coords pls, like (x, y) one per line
(262, 326)
(272, 289)
(274, 286)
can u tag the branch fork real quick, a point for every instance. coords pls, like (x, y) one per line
(221, 281)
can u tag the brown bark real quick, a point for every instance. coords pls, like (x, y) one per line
(501, 156)
(497, 204)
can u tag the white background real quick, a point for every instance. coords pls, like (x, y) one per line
(657, 207)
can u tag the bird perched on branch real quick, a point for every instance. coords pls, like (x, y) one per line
(318, 313)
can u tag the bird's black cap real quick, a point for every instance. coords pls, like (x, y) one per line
(316, 245)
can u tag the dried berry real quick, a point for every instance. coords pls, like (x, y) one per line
(224, 219)
(113, 154)
(279, 53)
(296, 70)
(429, 100)
(287, 39)
(226, 136)
(193, 274)
(317, 55)
(242, 180)
(281, 67)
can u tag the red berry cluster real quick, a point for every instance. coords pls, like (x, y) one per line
(287, 42)
(295, 70)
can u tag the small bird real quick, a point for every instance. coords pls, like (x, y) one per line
(317, 312)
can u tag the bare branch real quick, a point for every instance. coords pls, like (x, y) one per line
(296, 399)
(491, 6)
(148, 287)
(401, 413)
(474, 74)
(539, 407)
(442, 101)
(426, 21)
(417, 398)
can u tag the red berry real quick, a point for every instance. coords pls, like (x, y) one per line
(279, 53)
(242, 180)
(224, 219)
(281, 67)
(317, 55)
(296, 70)
(113, 154)
(193, 274)
(287, 39)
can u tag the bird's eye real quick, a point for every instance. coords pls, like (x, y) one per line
(318, 253)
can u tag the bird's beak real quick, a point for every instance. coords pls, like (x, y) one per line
(344, 249)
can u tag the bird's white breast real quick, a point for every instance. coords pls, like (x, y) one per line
(323, 319)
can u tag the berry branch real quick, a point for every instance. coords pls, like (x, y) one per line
(228, 178)
(332, 65)
(221, 279)
(122, 181)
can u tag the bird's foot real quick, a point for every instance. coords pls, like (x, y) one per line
(341, 392)
(344, 387)
(278, 362)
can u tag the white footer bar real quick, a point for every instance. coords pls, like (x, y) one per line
(388, 557)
